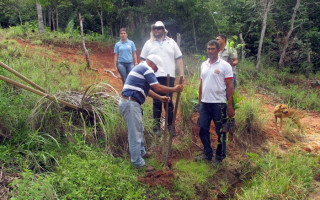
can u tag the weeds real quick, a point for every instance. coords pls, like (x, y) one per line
(193, 176)
(279, 177)
(250, 120)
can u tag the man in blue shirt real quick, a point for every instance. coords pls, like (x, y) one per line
(137, 86)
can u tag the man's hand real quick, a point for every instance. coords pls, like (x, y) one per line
(164, 99)
(230, 111)
(178, 88)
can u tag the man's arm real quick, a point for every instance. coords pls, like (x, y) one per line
(200, 95)
(234, 62)
(115, 60)
(229, 84)
(156, 96)
(181, 66)
(164, 89)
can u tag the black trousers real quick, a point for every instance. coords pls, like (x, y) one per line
(157, 105)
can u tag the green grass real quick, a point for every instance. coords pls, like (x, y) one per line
(192, 175)
(278, 177)
(292, 89)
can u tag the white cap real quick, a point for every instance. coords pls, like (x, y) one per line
(156, 60)
(158, 24)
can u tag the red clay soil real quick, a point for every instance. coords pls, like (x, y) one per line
(102, 59)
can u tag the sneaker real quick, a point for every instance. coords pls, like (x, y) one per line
(216, 163)
(202, 157)
(172, 130)
(147, 155)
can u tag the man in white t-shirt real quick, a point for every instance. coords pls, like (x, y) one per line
(216, 79)
(160, 44)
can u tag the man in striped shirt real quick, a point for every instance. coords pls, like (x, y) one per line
(136, 87)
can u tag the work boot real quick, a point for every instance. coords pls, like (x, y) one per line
(172, 130)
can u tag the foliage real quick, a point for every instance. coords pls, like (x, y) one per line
(93, 175)
(191, 175)
(250, 120)
(292, 89)
(279, 178)
(32, 186)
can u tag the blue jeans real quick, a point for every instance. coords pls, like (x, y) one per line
(217, 113)
(124, 69)
(234, 82)
(132, 113)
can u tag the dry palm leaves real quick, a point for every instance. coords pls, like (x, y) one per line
(96, 107)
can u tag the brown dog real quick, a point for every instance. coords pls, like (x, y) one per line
(282, 111)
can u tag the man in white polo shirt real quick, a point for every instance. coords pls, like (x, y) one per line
(160, 44)
(216, 78)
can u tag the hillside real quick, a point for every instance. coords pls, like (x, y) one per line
(102, 61)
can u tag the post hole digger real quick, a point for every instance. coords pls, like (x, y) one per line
(86, 108)
(167, 142)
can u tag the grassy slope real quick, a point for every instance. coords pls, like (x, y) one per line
(72, 169)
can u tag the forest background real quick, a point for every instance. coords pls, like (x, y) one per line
(275, 28)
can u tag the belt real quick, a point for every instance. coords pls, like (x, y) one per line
(130, 98)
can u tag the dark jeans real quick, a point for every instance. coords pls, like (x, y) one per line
(217, 113)
(124, 69)
(157, 105)
(234, 82)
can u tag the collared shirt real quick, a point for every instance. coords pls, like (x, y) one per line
(139, 81)
(124, 51)
(168, 50)
(228, 54)
(213, 81)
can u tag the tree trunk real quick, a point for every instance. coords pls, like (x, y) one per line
(178, 39)
(194, 35)
(40, 18)
(101, 20)
(242, 49)
(267, 7)
(57, 17)
(49, 18)
(53, 24)
(20, 16)
(286, 41)
(83, 42)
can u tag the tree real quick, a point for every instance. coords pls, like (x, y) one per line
(83, 41)
(267, 7)
(286, 42)
(40, 18)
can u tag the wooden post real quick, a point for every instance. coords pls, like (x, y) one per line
(173, 125)
(165, 135)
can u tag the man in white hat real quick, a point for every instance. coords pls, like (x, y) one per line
(136, 88)
(160, 44)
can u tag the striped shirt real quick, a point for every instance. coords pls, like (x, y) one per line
(139, 81)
